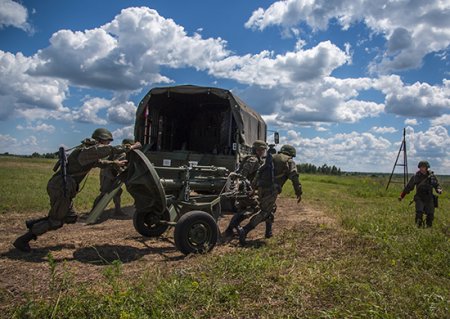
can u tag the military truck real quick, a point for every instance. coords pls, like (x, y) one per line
(193, 125)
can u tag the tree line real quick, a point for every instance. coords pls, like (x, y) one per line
(313, 169)
(301, 168)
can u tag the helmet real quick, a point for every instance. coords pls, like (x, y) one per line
(128, 141)
(423, 163)
(259, 144)
(288, 150)
(102, 134)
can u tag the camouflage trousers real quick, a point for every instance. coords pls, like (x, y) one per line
(424, 206)
(267, 205)
(107, 184)
(60, 204)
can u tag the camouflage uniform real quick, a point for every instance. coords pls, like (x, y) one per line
(248, 169)
(80, 161)
(269, 187)
(108, 176)
(424, 184)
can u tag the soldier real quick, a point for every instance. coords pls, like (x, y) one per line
(424, 181)
(62, 188)
(247, 170)
(107, 179)
(270, 180)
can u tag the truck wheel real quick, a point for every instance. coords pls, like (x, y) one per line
(196, 232)
(148, 224)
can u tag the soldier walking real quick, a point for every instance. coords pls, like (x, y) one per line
(64, 184)
(247, 171)
(424, 181)
(270, 180)
(108, 176)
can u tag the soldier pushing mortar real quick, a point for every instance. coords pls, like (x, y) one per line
(63, 186)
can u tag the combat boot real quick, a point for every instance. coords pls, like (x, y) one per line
(242, 235)
(29, 223)
(268, 233)
(22, 242)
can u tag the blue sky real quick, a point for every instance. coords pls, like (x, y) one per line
(339, 79)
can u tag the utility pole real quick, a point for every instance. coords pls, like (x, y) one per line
(404, 164)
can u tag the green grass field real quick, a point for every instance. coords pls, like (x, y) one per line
(374, 264)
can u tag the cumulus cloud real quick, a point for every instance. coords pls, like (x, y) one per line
(366, 151)
(411, 122)
(417, 99)
(21, 91)
(124, 132)
(122, 113)
(40, 127)
(383, 129)
(126, 53)
(12, 145)
(432, 144)
(88, 112)
(6, 141)
(13, 14)
(411, 34)
(328, 100)
(265, 69)
(443, 120)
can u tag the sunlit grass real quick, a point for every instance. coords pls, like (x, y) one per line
(374, 264)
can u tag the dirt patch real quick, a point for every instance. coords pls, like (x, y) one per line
(85, 250)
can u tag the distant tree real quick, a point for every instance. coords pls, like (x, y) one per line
(313, 169)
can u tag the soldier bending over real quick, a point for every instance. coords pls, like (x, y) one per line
(62, 188)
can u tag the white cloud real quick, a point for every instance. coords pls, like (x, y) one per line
(124, 132)
(411, 122)
(40, 127)
(366, 151)
(5, 142)
(127, 53)
(266, 70)
(432, 145)
(88, 112)
(383, 130)
(443, 120)
(418, 99)
(13, 145)
(411, 33)
(20, 91)
(13, 14)
(122, 113)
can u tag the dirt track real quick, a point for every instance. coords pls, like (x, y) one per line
(86, 250)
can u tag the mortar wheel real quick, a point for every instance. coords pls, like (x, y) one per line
(148, 224)
(196, 232)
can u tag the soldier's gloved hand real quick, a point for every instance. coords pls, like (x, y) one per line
(136, 145)
(120, 163)
(439, 191)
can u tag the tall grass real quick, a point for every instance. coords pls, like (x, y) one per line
(374, 264)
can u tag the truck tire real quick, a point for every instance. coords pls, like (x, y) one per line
(196, 232)
(148, 224)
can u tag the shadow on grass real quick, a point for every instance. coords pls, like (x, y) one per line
(126, 214)
(97, 254)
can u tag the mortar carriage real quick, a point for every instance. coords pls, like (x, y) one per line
(179, 202)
